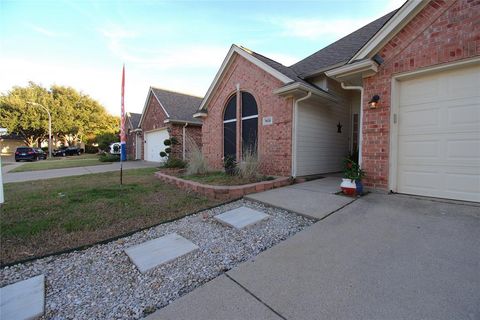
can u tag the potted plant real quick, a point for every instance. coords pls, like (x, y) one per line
(352, 178)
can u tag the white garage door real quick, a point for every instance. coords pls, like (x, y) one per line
(154, 145)
(439, 135)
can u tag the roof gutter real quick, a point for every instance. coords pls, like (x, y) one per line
(193, 123)
(294, 131)
(365, 68)
(360, 125)
(297, 86)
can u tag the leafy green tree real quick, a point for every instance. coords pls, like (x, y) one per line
(75, 116)
(27, 120)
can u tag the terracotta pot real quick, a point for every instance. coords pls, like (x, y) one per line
(348, 187)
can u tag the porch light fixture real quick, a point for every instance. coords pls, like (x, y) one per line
(373, 103)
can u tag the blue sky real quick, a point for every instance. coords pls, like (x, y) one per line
(176, 45)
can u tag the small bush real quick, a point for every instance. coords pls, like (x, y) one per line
(163, 154)
(174, 163)
(250, 165)
(230, 165)
(109, 157)
(168, 150)
(90, 149)
(167, 142)
(196, 163)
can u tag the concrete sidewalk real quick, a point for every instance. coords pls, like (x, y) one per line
(77, 171)
(314, 199)
(381, 257)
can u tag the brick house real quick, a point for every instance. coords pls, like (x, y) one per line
(401, 91)
(168, 114)
(134, 136)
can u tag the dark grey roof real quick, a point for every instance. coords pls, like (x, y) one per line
(134, 119)
(341, 50)
(179, 106)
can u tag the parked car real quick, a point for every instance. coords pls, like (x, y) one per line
(41, 154)
(26, 153)
(66, 151)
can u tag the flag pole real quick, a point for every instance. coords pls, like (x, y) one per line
(123, 151)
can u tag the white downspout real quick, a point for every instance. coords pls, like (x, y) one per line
(295, 126)
(360, 124)
(184, 140)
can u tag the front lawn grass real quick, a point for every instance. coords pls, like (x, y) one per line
(220, 178)
(61, 162)
(47, 216)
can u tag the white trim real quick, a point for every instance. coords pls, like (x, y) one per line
(200, 114)
(360, 121)
(300, 86)
(294, 132)
(394, 109)
(145, 106)
(231, 120)
(365, 67)
(403, 16)
(250, 117)
(157, 129)
(248, 56)
(193, 123)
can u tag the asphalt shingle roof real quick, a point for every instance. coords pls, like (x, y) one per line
(134, 119)
(341, 50)
(179, 106)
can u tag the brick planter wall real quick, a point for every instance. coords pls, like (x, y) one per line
(223, 192)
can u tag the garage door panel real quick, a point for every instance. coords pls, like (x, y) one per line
(154, 145)
(438, 152)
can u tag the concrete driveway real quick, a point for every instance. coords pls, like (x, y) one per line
(380, 257)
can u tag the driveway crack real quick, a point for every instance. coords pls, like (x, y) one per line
(256, 298)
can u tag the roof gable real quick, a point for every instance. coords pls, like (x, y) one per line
(341, 51)
(272, 67)
(176, 106)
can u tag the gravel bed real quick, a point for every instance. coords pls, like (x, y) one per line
(102, 283)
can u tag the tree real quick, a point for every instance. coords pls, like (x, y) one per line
(29, 121)
(75, 115)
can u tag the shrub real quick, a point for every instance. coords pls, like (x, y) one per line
(230, 165)
(174, 163)
(163, 154)
(107, 157)
(351, 170)
(250, 165)
(196, 163)
(167, 142)
(168, 150)
(90, 149)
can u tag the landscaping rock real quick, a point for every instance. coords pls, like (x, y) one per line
(102, 283)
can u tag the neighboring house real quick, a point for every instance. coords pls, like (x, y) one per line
(134, 136)
(9, 143)
(169, 114)
(421, 61)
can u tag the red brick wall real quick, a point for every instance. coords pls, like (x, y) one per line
(444, 31)
(131, 146)
(176, 130)
(274, 141)
(153, 118)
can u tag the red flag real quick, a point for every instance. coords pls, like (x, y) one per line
(123, 138)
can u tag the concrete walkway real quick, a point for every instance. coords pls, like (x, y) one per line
(315, 199)
(380, 257)
(77, 171)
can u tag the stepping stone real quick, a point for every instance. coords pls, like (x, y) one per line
(23, 300)
(241, 217)
(153, 253)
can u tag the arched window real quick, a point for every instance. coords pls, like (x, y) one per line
(230, 128)
(249, 123)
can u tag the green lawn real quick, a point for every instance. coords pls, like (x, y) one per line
(46, 216)
(61, 162)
